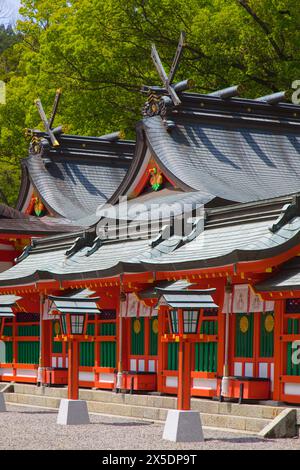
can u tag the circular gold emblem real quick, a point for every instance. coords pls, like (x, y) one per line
(269, 323)
(155, 326)
(57, 328)
(137, 326)
(244, 324)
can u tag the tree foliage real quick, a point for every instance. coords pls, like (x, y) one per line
(98, 52)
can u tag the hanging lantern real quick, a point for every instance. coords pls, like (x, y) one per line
(73, 313)
(184, 308)
(73, 324)
(184, 321)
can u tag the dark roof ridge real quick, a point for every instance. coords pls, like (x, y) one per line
(237, 101)
(230, 120)
(77, 137)
(85, 148)
(53, 239)
(259, 204)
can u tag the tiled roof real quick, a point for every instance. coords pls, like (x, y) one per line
(80, 175)
(219, 244)
(14, 221)
(287, 278)
(234, 162)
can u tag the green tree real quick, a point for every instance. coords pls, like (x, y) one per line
(7, 37)
(9, 163)
(98, 51)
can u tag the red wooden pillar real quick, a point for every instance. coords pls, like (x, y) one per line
(15, 345)
(278, 348)
(46, 339)
(184, 376)
(162, 347)
(73, 356)
(256, 343)
(221, 330)
(119, 332)
(125, 343)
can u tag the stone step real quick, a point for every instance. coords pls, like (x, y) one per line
(34, 400)
(154, 401)
(242, 423)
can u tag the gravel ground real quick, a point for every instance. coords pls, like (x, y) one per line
(36, 428)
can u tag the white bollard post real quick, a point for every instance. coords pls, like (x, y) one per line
(183, 426)
(73, 412)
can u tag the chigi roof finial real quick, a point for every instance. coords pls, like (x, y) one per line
(168, 79)
(37, 136)
(48, 123)
(161, 97)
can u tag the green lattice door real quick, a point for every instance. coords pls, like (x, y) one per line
(8, 331)
(206, 353)
(293, 328)
(108, 348)
(143, 344)
(87, 349)
(253, 344)
(28, 351)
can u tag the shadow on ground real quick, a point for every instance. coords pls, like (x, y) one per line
(242, 440)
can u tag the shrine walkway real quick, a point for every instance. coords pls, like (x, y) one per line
(26, 427)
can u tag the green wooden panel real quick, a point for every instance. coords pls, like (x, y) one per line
(153, 340)
(8, 331)
(206, 354)
(8, 351)
(57, 346)
(266, 337)
(29, 330)
(292, 329)
(108, 354)
(87, 349)
(108, 329)
(108, 348)
(138, 337)
(173, 356)
(28, 352)
(87, 354)
(244, 339)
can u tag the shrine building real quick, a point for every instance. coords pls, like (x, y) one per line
(206, 197)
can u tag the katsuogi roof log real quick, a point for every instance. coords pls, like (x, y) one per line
(274, 98)
(229, 92)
